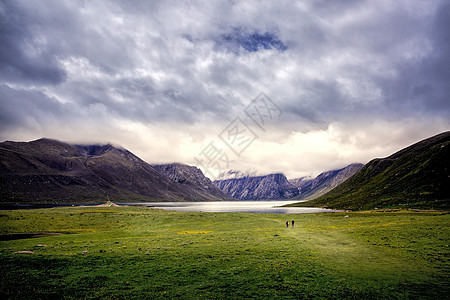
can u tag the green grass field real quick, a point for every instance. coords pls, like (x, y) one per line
(139, 252)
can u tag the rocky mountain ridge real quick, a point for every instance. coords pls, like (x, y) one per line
(272, 186)
(324, 182)
(277, 186)
(191, 176)
(48, 170)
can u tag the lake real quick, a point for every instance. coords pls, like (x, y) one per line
(237, 206)
(216, 206)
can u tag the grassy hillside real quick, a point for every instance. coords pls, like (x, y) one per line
(417, 176)
(129, 252)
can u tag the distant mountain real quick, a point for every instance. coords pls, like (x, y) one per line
(416, 176)
(324, 182)
(52, 171)
(273, 186)
(192, 177)
(298, 182)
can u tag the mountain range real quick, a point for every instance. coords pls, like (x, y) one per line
(416, 176)
(277, 186)
(272, 186)
(47, 170)
(50, 171)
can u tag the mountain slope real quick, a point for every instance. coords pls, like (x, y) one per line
(418, 176)
(192, 178)
(324, 182)
(273, 186)
(52, 171)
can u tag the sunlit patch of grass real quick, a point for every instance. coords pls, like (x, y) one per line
(195, 232)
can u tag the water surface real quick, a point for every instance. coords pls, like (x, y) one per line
(237, 206)
(214, 206)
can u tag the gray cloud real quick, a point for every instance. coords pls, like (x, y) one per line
(22, 55)
(26, 108)
(194, 66)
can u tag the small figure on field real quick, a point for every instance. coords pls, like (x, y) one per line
(292, 223)
(287, 223)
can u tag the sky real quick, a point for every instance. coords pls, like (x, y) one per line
(298, 87)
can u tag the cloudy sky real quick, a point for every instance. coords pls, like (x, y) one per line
(342, 81)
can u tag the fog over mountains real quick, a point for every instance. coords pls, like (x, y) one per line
(277, 186)
(50, 171)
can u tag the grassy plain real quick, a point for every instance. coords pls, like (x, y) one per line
(139, 252)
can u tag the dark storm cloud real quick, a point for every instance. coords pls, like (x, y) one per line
(43, 43)
(441, 40)
(37, 36)
(397, 54)
(35, 108)
(423, 82)
(435, 91)
(22, 56)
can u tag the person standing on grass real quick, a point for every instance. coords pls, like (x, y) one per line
(292, 223)
(287, 224)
